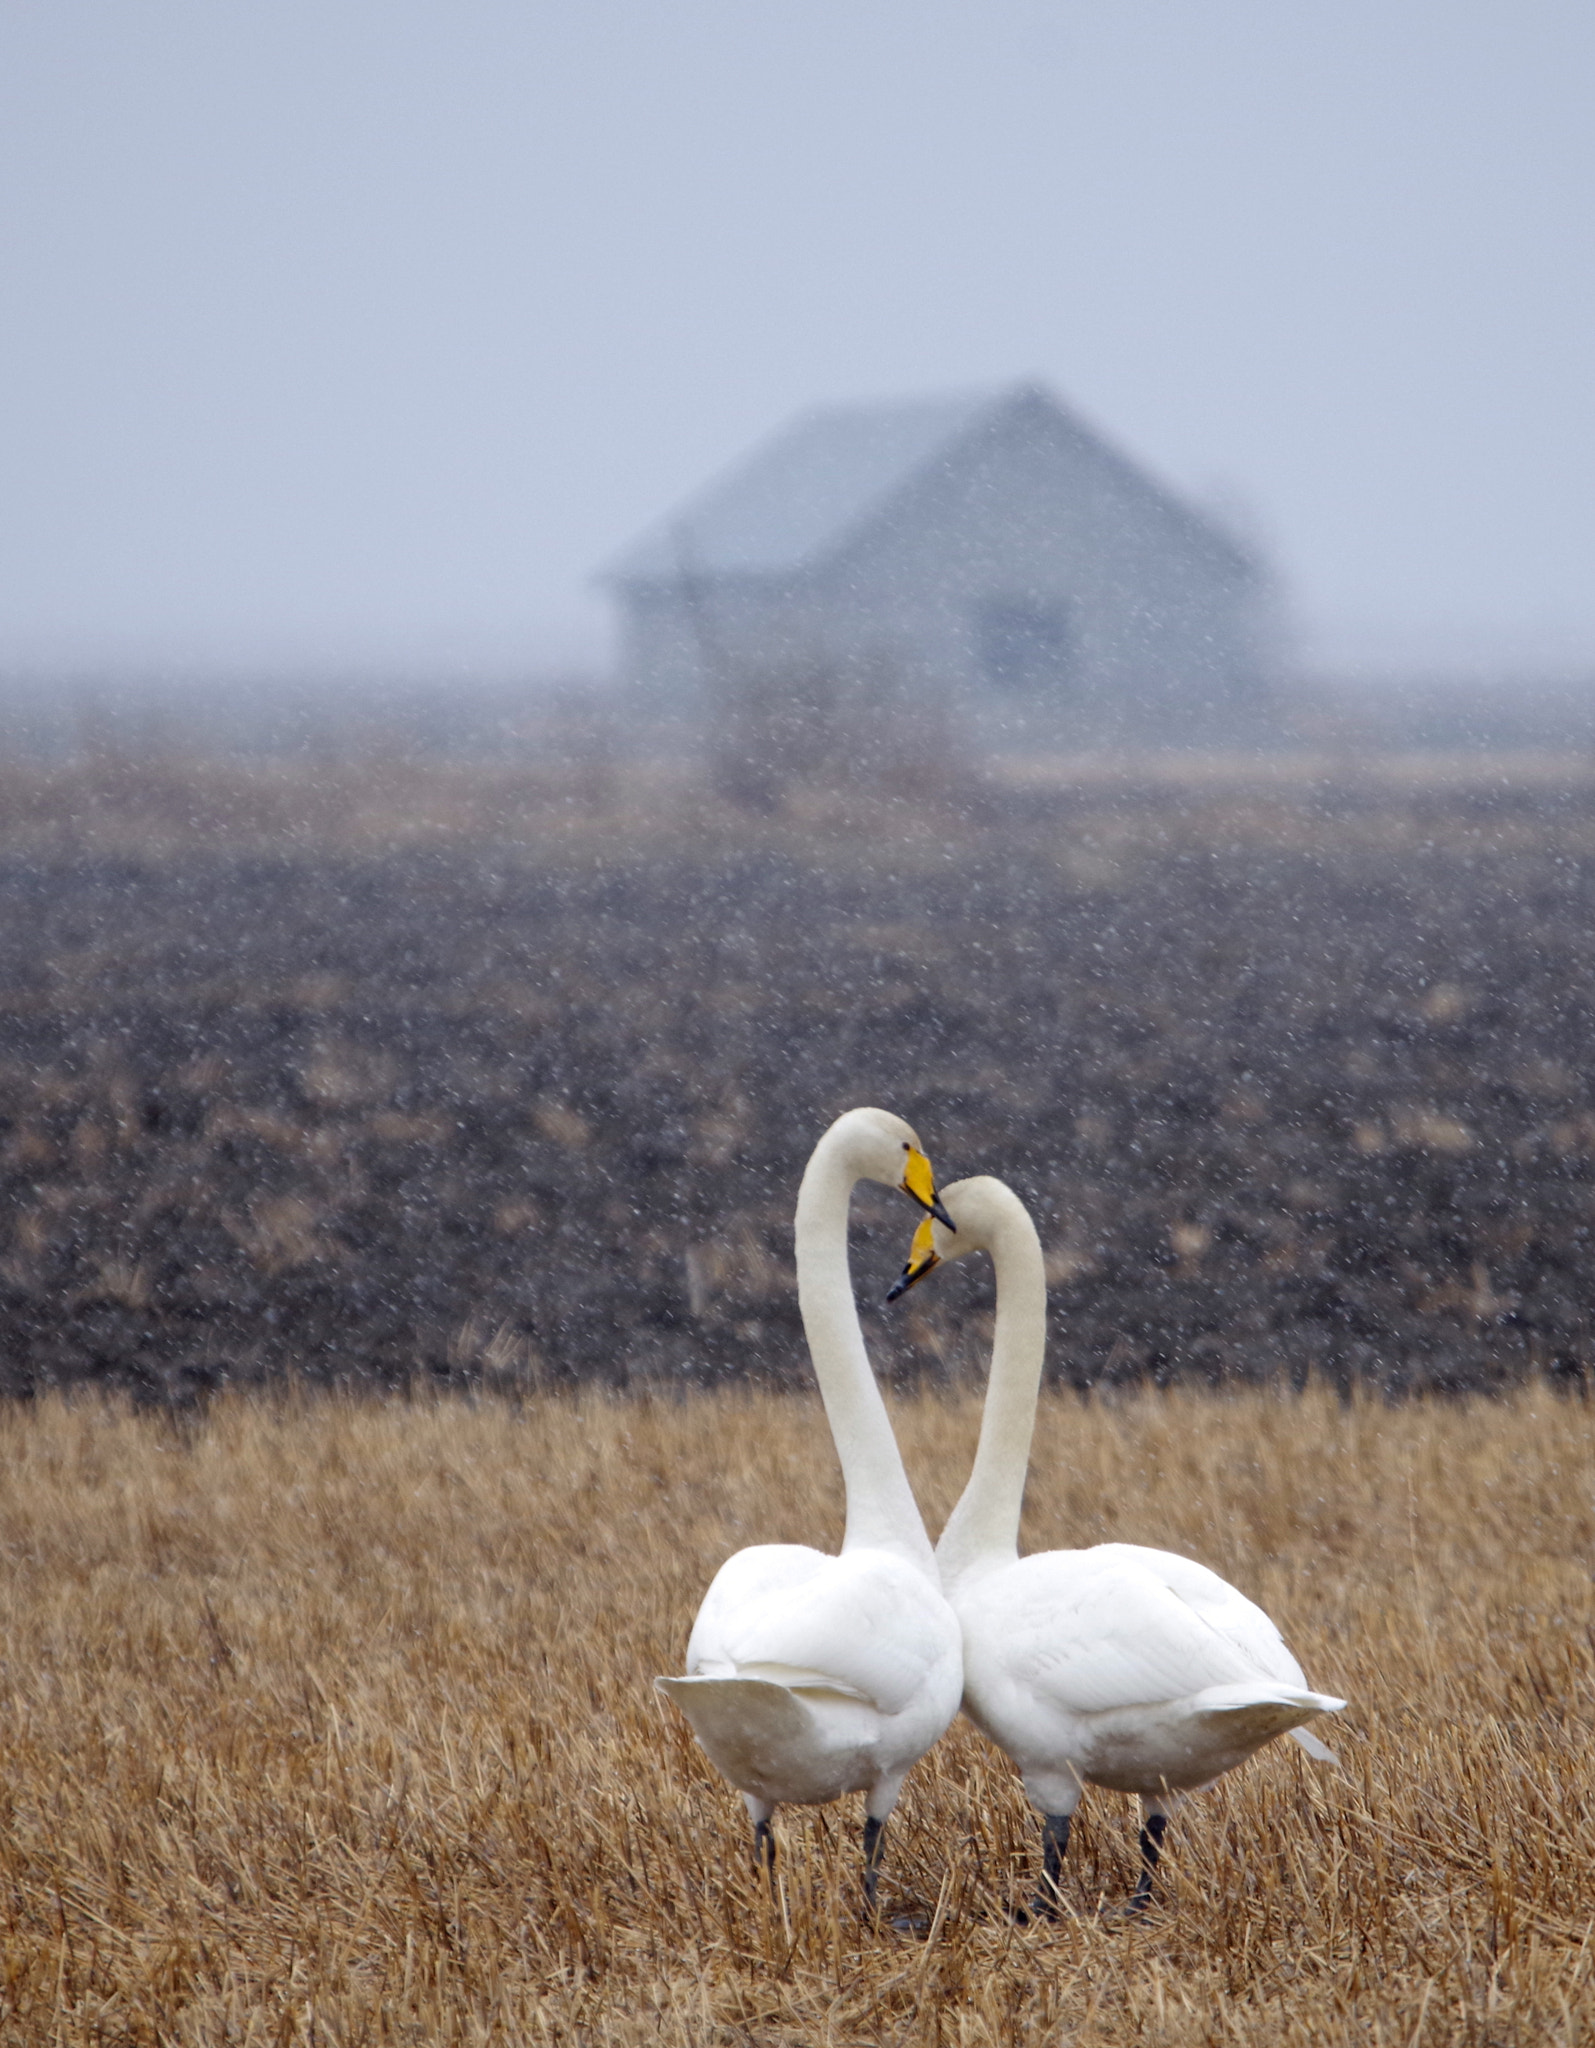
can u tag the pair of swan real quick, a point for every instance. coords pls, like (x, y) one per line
(812, 1676)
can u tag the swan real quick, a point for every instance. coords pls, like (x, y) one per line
(1119, 1666)
(810, 1676)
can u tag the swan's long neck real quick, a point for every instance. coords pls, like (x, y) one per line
(984, 1527)
(881, 1510)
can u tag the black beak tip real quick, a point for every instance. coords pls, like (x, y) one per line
(942, 1216)
(900, 1288)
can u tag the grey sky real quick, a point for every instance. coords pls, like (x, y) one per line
(360, 331)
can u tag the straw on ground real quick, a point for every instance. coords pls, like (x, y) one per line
(335, 1721)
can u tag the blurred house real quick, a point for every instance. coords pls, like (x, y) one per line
(988, 562)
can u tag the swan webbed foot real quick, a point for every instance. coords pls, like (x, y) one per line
(874, 1843)
(1152, 1834)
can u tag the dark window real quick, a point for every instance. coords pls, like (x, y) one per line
(1023, 644)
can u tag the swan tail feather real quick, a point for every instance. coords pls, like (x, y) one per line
(799, 1678)
(745, 1725)
(1257, 1713)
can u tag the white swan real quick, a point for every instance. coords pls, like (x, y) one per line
(1118, 1666)
(810, 1676)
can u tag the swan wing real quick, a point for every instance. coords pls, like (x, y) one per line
(1238, 1620)
(867, 1626)
(1093, 1633)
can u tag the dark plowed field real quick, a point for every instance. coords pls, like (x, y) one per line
(1297, 1082)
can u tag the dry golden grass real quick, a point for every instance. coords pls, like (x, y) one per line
(333, 1722)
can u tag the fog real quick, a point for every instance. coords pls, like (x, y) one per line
(355, 337)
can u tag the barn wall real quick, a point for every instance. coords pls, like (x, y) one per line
(1166, 624)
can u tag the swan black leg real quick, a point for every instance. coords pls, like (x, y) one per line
(1151, 1847)
(1054, 1847)
(764, 1847)
(874, 1843)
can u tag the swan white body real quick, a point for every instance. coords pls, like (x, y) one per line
(1120, 1666)
(814, 1676)
(810, 1676)
(1130, 1668)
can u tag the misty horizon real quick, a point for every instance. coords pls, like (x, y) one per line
(354, 344)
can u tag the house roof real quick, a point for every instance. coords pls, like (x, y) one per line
(796, 496)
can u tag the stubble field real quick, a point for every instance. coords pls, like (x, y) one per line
(331, 1721)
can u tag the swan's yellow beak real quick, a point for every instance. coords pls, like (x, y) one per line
(919, 1181)
(922, 1255)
